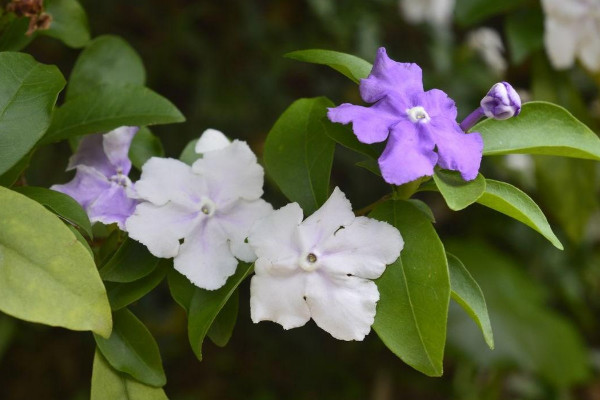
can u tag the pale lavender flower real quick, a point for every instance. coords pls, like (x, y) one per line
(211, 205)
(320, 268)
(421, 125)
(101, 184)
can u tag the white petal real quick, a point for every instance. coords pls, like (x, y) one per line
(589, 49)
(231, 173)
(237, 221)
(362, 248)
(116, 145)
(279, 299)
(344, 306)
(336, 212)
(560, 39)
(211, 139)
(273, 237)
(167, 179)
(161, 227)
(205, 257)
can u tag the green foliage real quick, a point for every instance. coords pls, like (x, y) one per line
(222, 327)
(458, 193)
(121, 294)
(299, 154)
(414, 291)
(343, 135)
(110, 384)
(352, 67)
(46, 275)
(29, 91)
(69, 22)
(13, 37)
(144, 146)
(59, 203)
(524, 33)
(541, 128)
(189, 155)
(132, 349)
(470, 12)
(131, 262)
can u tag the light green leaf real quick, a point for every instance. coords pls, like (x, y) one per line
(81, 239)
(46, 275)
(467, 293)
(144, 146)
(110, 107)
(131, 262)
(350, 66)
(69, 22)
(189, 155)
(132, 349)
(29, 91)
(458, 193)
(123, 294)
(106, 61)
(414, 291)
(541, 128)
(298, 153)
(222, 327)
(59, 203)
(509, 200)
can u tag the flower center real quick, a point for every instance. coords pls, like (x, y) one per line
(207, 206)
(418, 115)
(120, 179)
(308, 262)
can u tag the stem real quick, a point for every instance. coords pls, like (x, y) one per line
(472, 119)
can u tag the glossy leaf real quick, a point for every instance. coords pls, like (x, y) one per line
(222, 327)
(59, 203)
(144, 146)
(132, 349)
(123, 294)
(457, 192)
(107, 383)
(467, 293)
(509, 200)
(131, 262)
(350, 66)
(414, 291)
(112, 106)
(29, 91)
(46, 275)
(106, 61)
(298, 153)
(541, 128)
(69, 22)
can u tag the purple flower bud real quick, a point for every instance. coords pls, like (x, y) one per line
(501, 102)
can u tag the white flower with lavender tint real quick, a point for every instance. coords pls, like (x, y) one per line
(572, 29)
(434, 12)
(201, 214)
(101, 184)
(320, 268)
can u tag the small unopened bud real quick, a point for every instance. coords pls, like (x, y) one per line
(501, 102)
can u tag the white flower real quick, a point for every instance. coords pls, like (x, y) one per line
(320, 268)
(572, 29)
(435, 12)
(488, 44)
(210, 205)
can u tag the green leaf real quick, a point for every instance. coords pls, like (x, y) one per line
(414, 291)
(524, 33)
(370, 165)
(13, 37)
(298, 153)
(81, 239)
(110, 384)
(189, 155)
(29, 91)
(14, 173)
(541, 128)
(350, 66)
(131, 262)
(423, 207)
(203, 306)
(144, 146)
(458, 193)
(222, 327)
(123, 294)
(509, 200)
(132, 349)
(46, 275)
(469, 12)
(106, 61)
(69, 22)
(467, 293)
(61, 204)
(109, 107)
(343, 135)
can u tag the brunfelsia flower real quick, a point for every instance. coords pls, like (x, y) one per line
(421, 126)
(211, 205)
(501, 102)
(101, 184)
(320, 268)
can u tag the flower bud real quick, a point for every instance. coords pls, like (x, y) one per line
(501, 102)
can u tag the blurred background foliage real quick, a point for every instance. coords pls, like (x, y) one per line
(222, 64)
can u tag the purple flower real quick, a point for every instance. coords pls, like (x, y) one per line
(501, 102)
(101, 184)
(421, 126)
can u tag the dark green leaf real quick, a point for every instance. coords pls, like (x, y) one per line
(370, 165)
(222, 327)
(343, 135)
(109, 107)
(69, 22)
(144, 146)
(132, 349)
(59, 203)
(350, 66)
(131, 262)
(458, 193)
(123, 294)
(524, 33)
(541, 128)
(424, 208)
(414, 291)
(46, 275)
(14, 173)
(469, 12)
(13, 37)
(299, 154)
(29, 91)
